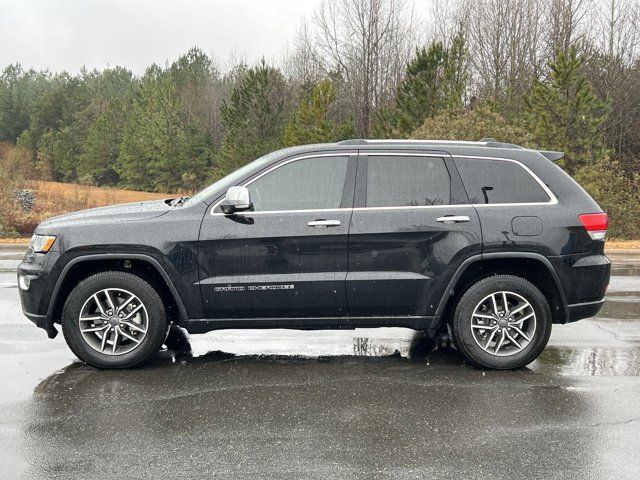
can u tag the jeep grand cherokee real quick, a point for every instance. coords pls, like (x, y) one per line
(488, 242)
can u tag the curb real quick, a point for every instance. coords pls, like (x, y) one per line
(13, 246)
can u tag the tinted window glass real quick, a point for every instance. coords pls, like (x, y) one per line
(497, 181)
(396, 181)
(312, 183)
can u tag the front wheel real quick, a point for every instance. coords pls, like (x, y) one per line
(114, 320)
(502, 322)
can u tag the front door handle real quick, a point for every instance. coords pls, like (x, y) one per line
(324, 223)
(453, 219)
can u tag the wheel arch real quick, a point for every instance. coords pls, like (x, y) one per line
(143, 265)
(532, 266)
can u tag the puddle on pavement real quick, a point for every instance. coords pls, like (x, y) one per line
(360, 342)
(605, 361)
(410, 345)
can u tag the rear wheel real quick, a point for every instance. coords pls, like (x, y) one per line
(502, 322)
(114, 320)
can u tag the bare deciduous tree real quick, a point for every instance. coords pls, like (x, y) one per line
(565, 25)
(367, 43)
(617, 26)
(614, 70)
(505, 39)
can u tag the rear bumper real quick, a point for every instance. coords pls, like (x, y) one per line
(584, 279)
(578, 311)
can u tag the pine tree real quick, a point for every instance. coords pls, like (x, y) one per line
(436, 79)
(149, 135)
(101, 150)
(311, 122)
(253, 117)
(565, 113)
(112, 96)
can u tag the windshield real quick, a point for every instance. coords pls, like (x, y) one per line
(230, 180)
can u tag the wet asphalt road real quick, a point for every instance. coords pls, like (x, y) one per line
(369, 403)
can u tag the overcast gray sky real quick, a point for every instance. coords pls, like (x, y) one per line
(67, 34)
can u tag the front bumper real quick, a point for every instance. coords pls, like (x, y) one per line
(30, 301)
(36, 298)
(41, 321)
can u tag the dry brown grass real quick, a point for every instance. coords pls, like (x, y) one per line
(54, 198)
(69, 196)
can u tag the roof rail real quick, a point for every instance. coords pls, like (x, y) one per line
(484, 142)
(363, 141)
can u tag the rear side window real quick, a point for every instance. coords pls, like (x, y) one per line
(499, 181)
(397, 181)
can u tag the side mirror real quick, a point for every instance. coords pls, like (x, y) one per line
(236, 200)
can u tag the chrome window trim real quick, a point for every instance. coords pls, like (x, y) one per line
(553, 199)
(337, 153)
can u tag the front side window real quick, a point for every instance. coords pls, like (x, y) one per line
(308, 184)
(411, 181)
(499, 181)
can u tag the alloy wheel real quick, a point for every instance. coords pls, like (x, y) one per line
(113, 321)
(503, 323)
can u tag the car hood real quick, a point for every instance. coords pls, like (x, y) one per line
(126, 212)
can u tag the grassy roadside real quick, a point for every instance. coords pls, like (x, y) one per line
(623, 244)
(53, 198)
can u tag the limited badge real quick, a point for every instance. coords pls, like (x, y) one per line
(271, 287)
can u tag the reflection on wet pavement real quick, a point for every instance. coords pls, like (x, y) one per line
(365, 403)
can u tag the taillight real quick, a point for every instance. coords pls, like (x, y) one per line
(595, 224)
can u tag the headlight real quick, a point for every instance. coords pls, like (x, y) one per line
(41, 243)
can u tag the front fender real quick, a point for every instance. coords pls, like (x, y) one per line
(55, 300)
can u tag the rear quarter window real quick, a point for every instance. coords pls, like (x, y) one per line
(499, 181)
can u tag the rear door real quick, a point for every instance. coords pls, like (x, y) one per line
(411, 229)
(288, 257)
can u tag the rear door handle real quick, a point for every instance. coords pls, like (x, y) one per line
(453, 219)
(324, 223)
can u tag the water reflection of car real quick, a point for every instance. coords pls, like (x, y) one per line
(488, 243)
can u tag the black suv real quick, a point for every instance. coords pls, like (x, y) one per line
(488, 242)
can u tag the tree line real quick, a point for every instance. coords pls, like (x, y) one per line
(551, 74)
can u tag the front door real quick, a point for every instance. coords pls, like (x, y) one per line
(288, 257)
(411, 229)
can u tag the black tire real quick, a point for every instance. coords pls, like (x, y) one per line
(156, 330)
(462, 331)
